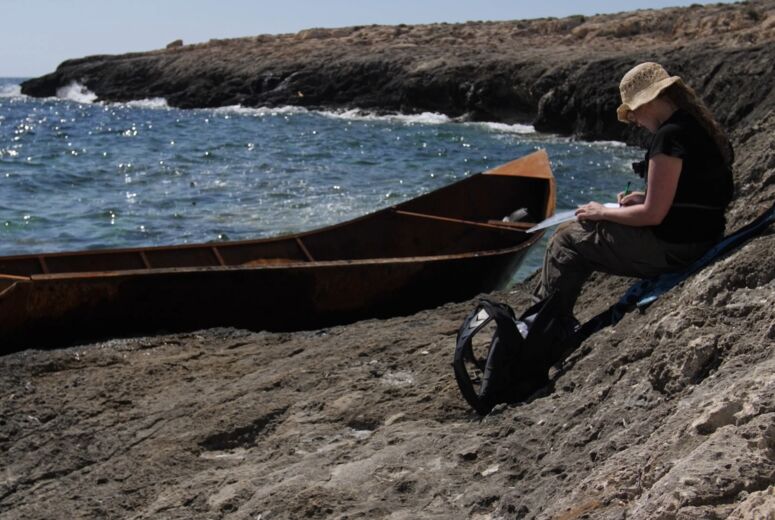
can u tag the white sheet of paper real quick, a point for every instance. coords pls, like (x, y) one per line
(563, 216)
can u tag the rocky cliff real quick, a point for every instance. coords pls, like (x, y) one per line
(668, 415)
(560, 73)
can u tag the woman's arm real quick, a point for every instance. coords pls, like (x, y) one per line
(664, 171)
(636, 197)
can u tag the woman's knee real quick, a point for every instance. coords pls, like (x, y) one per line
(566, 236)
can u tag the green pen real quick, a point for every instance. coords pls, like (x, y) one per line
(626, 191)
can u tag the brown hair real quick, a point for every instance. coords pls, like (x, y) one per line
(687, 99)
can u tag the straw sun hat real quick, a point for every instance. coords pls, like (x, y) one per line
(641, 84)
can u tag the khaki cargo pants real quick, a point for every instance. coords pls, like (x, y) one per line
(579, 248)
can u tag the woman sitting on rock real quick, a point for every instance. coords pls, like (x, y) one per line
(678, 217)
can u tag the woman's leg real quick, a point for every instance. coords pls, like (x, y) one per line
(565, 270)
(578, 249)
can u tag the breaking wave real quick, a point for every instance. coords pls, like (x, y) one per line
(76, 92)
(152, 103)
(11, 91)
(508, 129)
(80, 94)
(260, 111)
(426, 118)
(607, 144)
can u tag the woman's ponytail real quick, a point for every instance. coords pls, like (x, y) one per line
(687, 99)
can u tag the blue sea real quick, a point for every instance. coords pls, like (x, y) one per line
(79, 174)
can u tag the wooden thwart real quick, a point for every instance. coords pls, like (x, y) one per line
(491, 224)
(43, 265)
(304, 249)
(144, 258)
(217, 255)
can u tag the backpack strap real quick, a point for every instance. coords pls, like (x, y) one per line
(483, 398)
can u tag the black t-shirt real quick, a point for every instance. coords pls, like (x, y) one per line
(704, 186)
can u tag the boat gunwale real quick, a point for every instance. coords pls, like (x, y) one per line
(286, 266)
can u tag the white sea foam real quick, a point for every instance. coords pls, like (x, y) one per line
(153, 103)
(509, 129)
(426, 118)
(260, 111)
(11, 91)
(607, 144)
(80, 94)
(76, 92)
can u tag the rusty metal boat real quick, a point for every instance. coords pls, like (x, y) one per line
(447, 245)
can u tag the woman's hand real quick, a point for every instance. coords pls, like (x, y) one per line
(631, 199)
(591, 211)
(638, 209)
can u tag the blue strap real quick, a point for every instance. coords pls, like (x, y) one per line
(645, 292)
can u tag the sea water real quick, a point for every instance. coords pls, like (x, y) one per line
(79, 174)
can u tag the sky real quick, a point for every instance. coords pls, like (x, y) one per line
(37, 35)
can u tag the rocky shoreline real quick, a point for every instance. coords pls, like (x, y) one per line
(560, 74)
(668, 415)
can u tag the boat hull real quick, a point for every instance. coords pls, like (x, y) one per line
(444, 246)
(69, 310)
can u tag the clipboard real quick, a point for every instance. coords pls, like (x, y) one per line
(563, 216)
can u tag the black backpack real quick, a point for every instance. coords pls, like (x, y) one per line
(519, 356)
